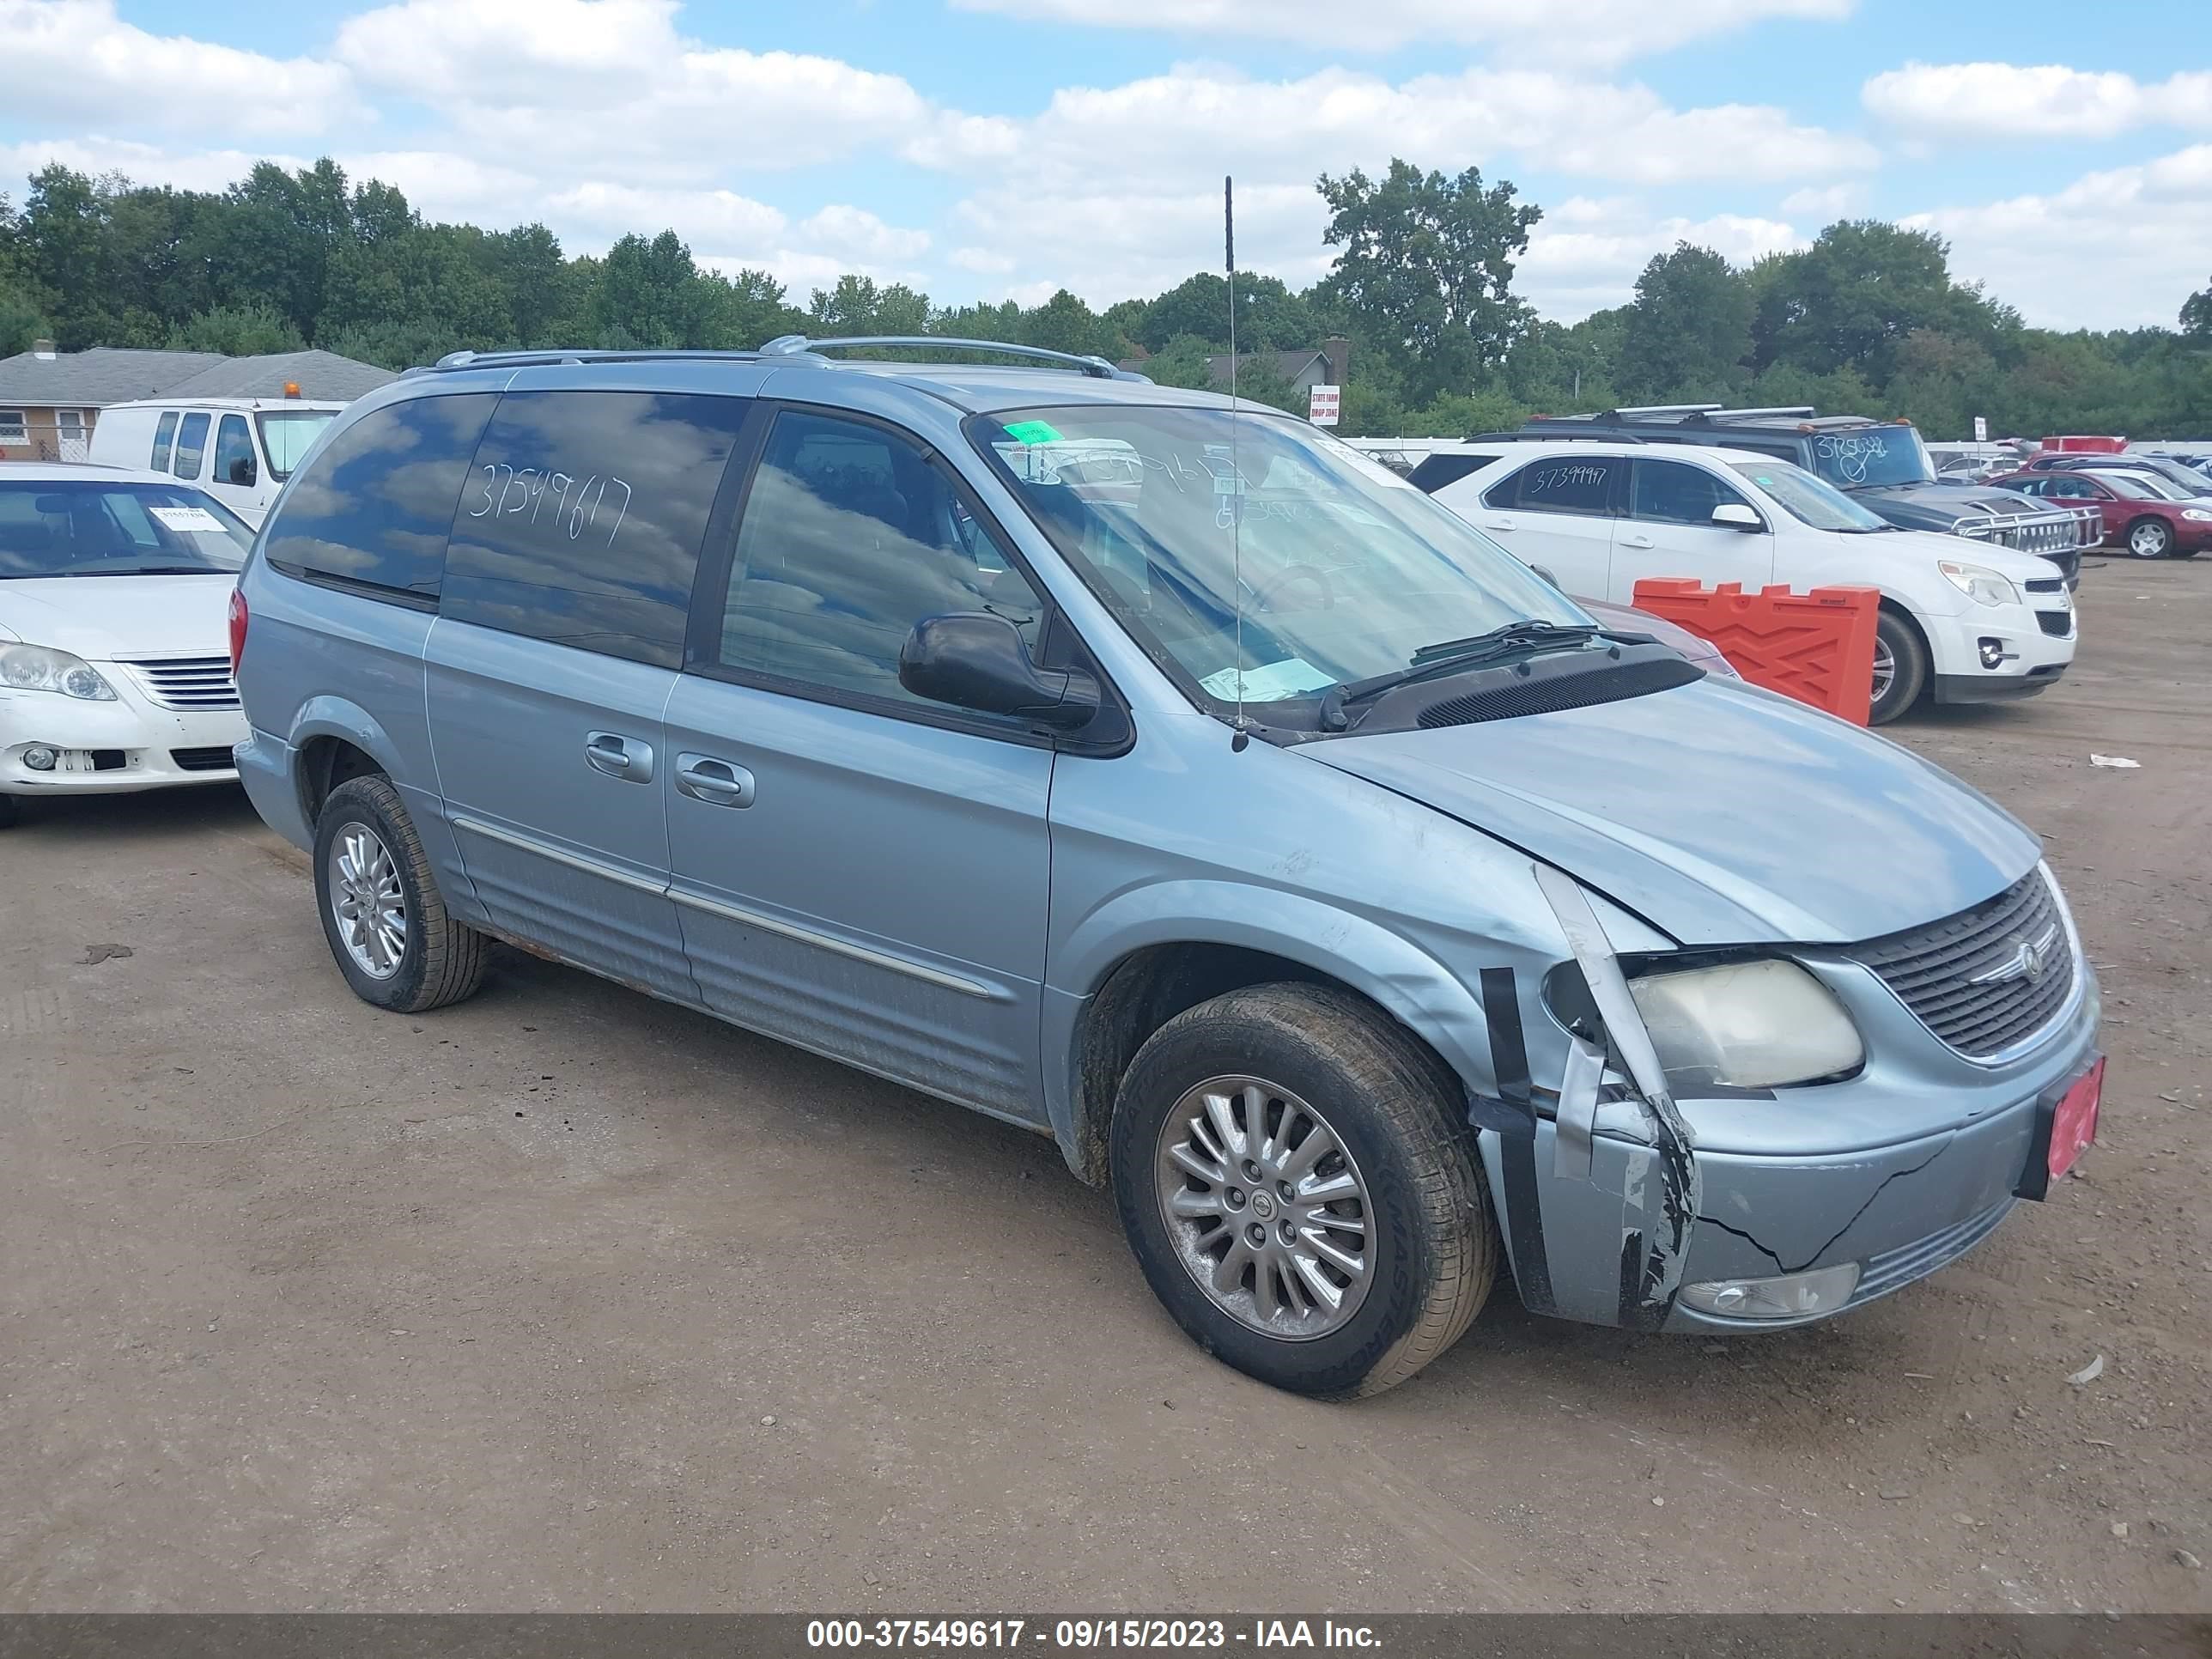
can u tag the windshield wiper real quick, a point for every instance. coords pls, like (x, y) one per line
(1528, 634)
(153, 570)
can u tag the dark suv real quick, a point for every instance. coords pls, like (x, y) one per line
(1882, 465)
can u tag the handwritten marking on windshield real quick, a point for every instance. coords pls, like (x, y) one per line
(1852, 452)
(1579, 475)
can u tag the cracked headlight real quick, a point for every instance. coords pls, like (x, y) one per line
(36, 668)
(1746, 1025)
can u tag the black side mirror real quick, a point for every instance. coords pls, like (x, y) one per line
(241, 470)
(1545, 571)
(972, 659)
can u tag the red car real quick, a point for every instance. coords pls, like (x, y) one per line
(2139, 516)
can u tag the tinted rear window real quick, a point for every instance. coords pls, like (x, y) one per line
(582, 521)
(1437, 471)
(374, 508)
(1559, 484)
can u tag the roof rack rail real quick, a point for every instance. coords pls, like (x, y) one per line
(1525, 436)
(792, 345)
(527, 358)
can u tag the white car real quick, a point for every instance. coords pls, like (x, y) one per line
(1961, 620)
(115, 671)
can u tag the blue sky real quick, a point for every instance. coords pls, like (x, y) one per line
(987, 148)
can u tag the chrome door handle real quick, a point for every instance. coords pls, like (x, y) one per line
(713, 782)
(619, 756)
(1636, 540)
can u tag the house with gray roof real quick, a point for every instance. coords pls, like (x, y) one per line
(50, 400)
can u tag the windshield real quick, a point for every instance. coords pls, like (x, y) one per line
(99, 529)
(2141, 487)
(1808, 498)
(286, 434)
(1347, 569)
(2178, 483)
(1873, 455)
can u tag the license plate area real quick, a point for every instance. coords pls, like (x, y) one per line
(2065, 1124)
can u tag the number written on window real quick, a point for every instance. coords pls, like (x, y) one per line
(566, 503)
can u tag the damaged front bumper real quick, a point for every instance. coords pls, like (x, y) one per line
(1892, 1174)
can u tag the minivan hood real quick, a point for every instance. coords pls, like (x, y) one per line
(99, 617)
(1721, 813)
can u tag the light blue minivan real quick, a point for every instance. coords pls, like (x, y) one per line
(1165, 777)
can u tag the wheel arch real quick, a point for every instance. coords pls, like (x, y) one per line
(335, 740)
(1129, 985)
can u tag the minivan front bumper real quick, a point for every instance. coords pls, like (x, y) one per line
(1884, 1175)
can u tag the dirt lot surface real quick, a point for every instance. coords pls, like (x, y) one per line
(567, 1299)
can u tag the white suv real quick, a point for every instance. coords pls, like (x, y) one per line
(1961, 622)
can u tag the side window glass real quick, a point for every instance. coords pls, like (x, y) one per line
(1675, 492)
(583, 518)
(233, 451)
(1564, 483)
(375, 506)
(192, 445)
(851, 536)
(165, 433)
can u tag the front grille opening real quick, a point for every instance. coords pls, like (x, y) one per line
(1966, 977)
(217, 758)
(1545, 696)
(2056, 624)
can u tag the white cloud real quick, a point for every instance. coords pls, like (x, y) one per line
(1195, 120)
(76, 60)
(1826, 202)
(611, 85)
(1608, 31)
(1587, 254)
(2148, 226)
(981, 260)
(209, 170)
(1992, 102)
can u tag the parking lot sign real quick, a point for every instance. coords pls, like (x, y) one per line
(1321, 402)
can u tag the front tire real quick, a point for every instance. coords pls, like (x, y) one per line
(382, 913)
(2149, 538)
(8, 811)
(1296, 1179)
(1900, 668)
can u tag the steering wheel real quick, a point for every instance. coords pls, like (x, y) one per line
(1264, 594)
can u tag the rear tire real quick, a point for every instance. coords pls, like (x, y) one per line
(2148, 538)
(1898, 645)
(8, 812)
(382, 914)
(1317, 1061)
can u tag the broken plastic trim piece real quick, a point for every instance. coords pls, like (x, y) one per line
(1655, 1247)
(1577, 1122)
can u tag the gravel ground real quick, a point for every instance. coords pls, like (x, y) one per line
(566, 1299)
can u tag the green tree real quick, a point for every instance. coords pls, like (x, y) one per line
(1941, 383)
(858, 306)
(1689, 330)
(1852, 297)
(237, 331)
(2196, 311)
(647, 292)
(1426, 263)
(1064, 322)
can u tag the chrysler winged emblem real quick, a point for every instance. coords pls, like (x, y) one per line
(2030, 959)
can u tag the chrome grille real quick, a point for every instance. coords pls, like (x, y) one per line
(1987, 978)
(2059, 530)
(187, 683)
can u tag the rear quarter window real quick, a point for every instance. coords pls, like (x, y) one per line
(582, 520)
(1436, 471)
(372, 511)
(1559, 484)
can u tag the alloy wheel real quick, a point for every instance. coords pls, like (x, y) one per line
(367, 902)
(1265, 1208)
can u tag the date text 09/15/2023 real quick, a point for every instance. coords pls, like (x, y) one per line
(1086, 1634)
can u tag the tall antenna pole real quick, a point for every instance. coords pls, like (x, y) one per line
(1235, 478)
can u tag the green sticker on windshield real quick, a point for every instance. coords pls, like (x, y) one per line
(1032, 432)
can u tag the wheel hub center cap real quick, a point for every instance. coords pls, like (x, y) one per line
(1263, 1207)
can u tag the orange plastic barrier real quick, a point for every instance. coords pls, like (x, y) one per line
(1817, 647)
